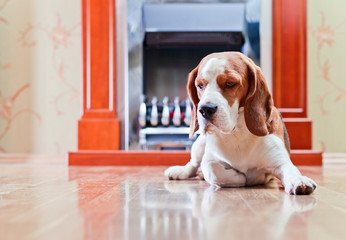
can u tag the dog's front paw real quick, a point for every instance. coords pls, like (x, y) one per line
(178, 173)
(300, 185)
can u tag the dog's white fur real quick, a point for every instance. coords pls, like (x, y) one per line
(228, 154)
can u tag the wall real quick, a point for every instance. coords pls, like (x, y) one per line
(327, 73)
(40, 72)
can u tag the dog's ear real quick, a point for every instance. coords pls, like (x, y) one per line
(192, 91)
(258, 103)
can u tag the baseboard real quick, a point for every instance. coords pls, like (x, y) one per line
(24, 158)
(334, 157)
(164, 158)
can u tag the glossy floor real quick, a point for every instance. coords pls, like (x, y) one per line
(45, 199)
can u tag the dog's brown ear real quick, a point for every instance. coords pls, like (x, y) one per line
(258, 103)
(192, 91)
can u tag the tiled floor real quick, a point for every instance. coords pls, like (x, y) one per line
(45, 199)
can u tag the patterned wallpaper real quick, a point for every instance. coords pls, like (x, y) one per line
(40, 73)
(327, 73)
(40, 63)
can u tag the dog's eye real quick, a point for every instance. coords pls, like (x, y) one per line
(230, 84)
(200, 86)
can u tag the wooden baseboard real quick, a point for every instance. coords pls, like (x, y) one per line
(334, 158)
(128, 158)
(164, 158)
(306, 157)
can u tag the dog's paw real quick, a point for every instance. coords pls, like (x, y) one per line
(178, 173)
(300, 185)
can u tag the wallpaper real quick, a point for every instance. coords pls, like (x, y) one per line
(40, 72)
(327, 73)
(40, 75)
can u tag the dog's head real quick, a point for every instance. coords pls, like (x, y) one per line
(222, 84)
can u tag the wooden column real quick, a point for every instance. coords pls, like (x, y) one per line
(290, 74)
(98, 128)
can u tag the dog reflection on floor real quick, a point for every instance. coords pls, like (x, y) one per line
(248, 212)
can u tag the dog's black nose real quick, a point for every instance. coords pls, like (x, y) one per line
(207, 110)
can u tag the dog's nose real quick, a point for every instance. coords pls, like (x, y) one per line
(208, 110)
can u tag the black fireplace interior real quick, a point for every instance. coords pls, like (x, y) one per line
(178, 36)
(167, 65)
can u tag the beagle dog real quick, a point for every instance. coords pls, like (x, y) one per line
(243, 140)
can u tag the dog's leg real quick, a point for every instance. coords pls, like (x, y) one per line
(221, 174)
(277, 161)
(190, 169)
(292, 180)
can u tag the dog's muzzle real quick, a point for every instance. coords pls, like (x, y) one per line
(208, 110)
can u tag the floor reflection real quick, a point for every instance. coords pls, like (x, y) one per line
(156, 213)
(245, 212)
(141, 205)
(50, 201)
(194, 210)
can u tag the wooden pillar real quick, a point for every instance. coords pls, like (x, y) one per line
(289, 57)
(98, 128)
(290, 73)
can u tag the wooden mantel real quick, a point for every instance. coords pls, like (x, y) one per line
(99, 129)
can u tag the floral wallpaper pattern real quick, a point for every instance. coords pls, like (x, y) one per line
(6, 112)
(40, 75)
(2, 6)
(327, 73)
(325, 35)
(59, 36)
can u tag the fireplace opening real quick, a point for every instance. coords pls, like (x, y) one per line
(173, 39)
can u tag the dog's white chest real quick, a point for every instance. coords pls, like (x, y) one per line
(233, 149)
(237, 148)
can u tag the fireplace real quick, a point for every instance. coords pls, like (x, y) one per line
(176, 36)
(99, 129)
